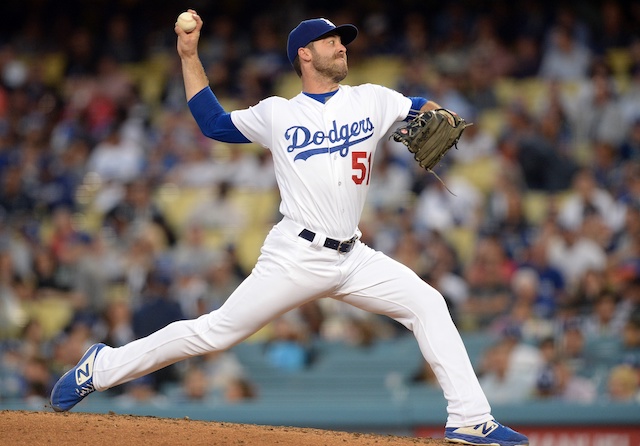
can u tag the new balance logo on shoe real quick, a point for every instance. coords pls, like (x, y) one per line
(490, 433)
(77, 383)
(84, 371)
(479, 430)
(487, 428)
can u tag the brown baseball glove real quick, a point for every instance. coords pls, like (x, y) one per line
(430, 135)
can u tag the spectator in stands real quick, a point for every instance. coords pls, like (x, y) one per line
(528, 311)
(602, 334)
(509, 369)
(607, 167)
(196, 166)
(444, 271)
(15, 197)
(47, 274)
(192, 252)
(390, 183)
(612, 28)
(11, 361)
(505, 214)
(194, 387)
(438, 209)
(574, 254)
(630, 149)
(101, 264)
(137, 211)
(118, 41)
(488, 276)
(142, 390)
(240, 389)
(222, 369)
(572, 348)
(114, 81)
(630, 353)
(566, 58)
(447, 93)
(629, 276)
(65, 174)
(224, 44)
(220, 213)
(222, 277)
(586, 198)
(623, 384)
(252, 172)
(33, 340)
(412, 81)
(69, 246)
(551, 287)
(482, 71)
(37, 381)
(559, 382)
(410, 250)
(489, 46)
(287, 348)
(214, 378)
(564, 16)
(602, 320)
(582, 299)
(80, 53)
(527, 57)
(346, 324)
(476, 144)
(13, 314)
(191, 289)
(630, 101)
(543, 156)
(118, 322)
(597, 113)
(116, 159)
(159, 308)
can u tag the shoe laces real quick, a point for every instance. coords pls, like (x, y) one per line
(85, 390)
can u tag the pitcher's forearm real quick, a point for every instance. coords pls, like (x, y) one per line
(195, 78)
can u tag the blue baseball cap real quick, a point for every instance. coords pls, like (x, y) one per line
(313, 29)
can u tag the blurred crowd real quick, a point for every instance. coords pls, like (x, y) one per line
(532, 234)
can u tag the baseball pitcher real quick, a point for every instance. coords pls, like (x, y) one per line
(323, 143)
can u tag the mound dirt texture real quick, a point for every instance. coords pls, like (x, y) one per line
(47, 428)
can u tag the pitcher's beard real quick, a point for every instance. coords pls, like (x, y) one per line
(333, 70)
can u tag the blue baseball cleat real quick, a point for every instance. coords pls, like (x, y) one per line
(77, 383)
(490, 433)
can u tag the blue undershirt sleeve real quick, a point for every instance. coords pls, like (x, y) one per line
(213, 121)
(416, 105)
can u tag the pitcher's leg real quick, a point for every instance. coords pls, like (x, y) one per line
(281, 281)
(381, 285)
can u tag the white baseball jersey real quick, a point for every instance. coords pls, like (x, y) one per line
(323, 153)
(336, 139)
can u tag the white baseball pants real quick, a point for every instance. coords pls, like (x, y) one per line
(291, 271)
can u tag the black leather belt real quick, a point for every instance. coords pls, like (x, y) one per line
(341, 246)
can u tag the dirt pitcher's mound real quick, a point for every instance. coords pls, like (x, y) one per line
(51, 429)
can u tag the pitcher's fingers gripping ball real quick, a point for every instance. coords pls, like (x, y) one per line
(430, 135)
(186, 22)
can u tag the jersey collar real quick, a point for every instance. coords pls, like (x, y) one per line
(321, 97)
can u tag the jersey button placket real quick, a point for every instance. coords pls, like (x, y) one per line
(328, 126)
(337, 163)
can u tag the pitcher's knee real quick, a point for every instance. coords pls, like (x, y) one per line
(217, 334)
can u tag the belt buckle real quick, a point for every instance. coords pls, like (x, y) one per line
(348, 244)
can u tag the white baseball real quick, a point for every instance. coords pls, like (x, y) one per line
(186, 22)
